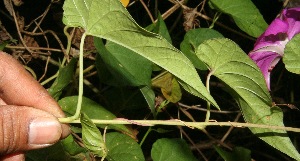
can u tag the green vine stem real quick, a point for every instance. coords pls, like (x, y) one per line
(80, 90)
(208, 104)
(198, 125)
(69, 38)
(30, 71)
(145, 136)
(49, 79)
(161, 106)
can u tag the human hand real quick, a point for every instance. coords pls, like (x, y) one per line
(28, 114)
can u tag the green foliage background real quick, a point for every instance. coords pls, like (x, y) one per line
(176, 68)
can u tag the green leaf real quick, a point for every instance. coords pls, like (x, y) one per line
(71, 147)
(291, 55)
(59, 151)
(53, 153)
(92, 109)
(91, 137)
(125, 66)
(161, 29)
(192, 39)
(246, 83)
(169, 87)
(245, 14)
(237, 154)
(65, 76)
(3, 45)
(124, 99)
(149, 95)
(171, 150)
(108, 19)
(122, 148)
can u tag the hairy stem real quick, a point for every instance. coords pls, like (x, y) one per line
(198, 125)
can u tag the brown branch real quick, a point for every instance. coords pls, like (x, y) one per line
(147, 10)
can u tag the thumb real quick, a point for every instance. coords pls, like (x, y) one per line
(24, 128)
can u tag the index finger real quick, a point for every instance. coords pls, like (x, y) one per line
(18, 87)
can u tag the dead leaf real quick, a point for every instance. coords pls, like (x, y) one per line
(190, 21)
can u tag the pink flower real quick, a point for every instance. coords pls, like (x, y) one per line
(269, 47)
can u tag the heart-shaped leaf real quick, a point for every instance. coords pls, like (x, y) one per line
(108, 19)
(246, 83)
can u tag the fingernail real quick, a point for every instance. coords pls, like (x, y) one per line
(44, 131)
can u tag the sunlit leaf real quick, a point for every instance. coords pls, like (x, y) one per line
(171, 150)
(291, 57)
(123, 148)
(246, 83)
(108, 19)
(91, 137)
(245, 14)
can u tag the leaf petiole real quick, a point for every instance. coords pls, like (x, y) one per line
(80, 86)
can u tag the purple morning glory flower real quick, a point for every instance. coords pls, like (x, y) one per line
(269, 47)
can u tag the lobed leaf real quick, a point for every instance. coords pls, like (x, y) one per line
(108, 19)
(291, 55)
(230, 64)
(245, 14)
